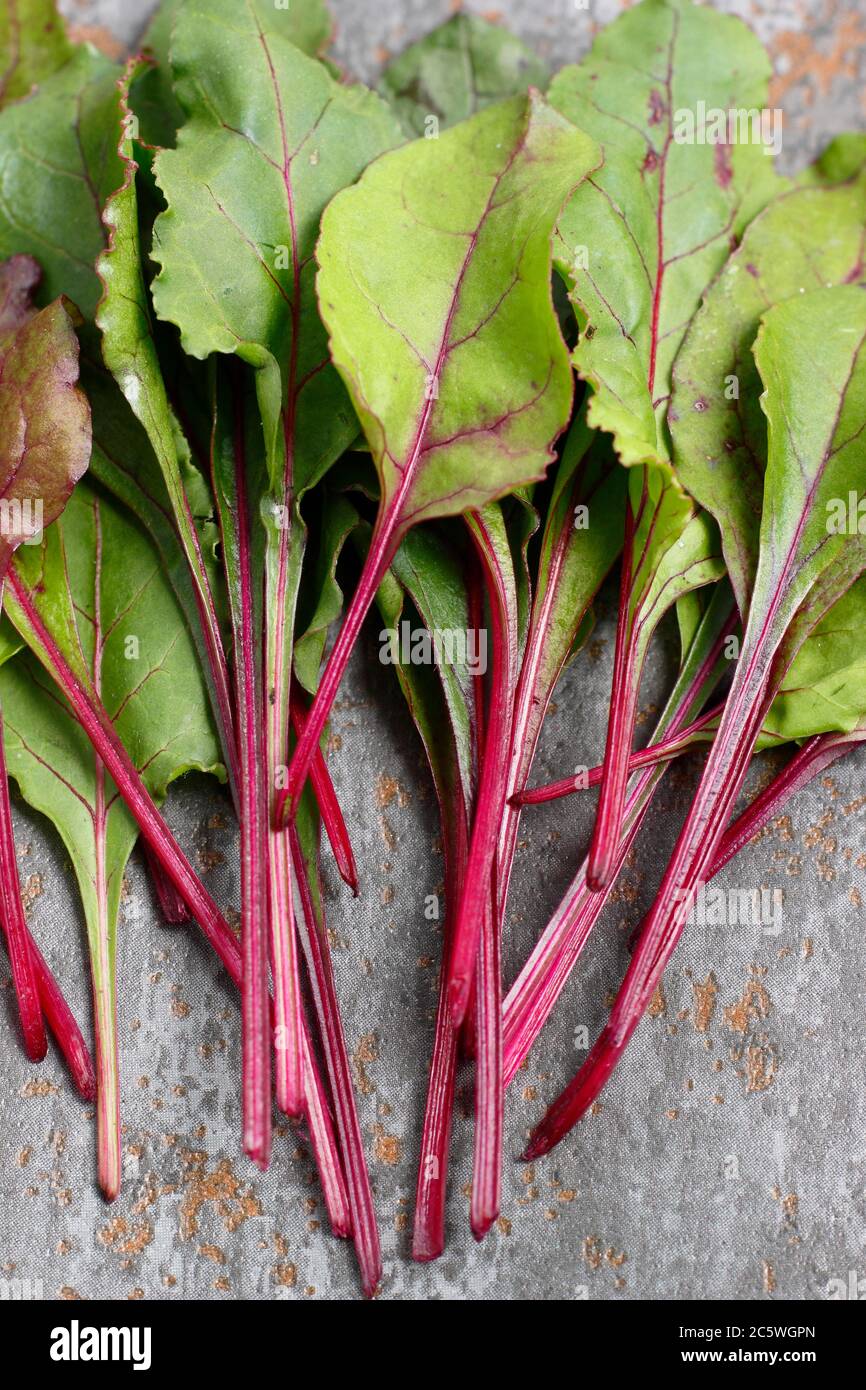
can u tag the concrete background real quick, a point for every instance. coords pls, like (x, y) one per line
(727, 1159)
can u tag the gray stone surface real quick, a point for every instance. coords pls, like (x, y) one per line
(704, 1174)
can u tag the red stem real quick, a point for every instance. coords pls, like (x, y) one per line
(326, 798)
(252, 797)
(490, 795)
(662, 752)
(620, 729)
(489, 1084)
(383, 544)
(324, 1141)
(97, 724)
(171, 904)
(428, 1237)
(364, 1231)
(61, 1021)
(17, 935)
(745, 711)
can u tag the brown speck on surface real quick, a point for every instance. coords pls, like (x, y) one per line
(503, 1226)
(367, 1051)
(63, 1247)
(209, 859)
(212, 1252)
(566, 1194)
(672, 1114)
(31, 889)
(169, 1280)
(389, 790)
(69, 1294)
(285, 1275)
(769, 1277)
(222, 1284)
(123, 1239)
(38, 1087)
(806, 948)
(387, 1147)
(761, 1065)
(855, 897)
(233, 1201)
(705, 1002)
(753, 1003)
(135, 1296)
(658, 1004)
(22, 1158)
(592, 1251)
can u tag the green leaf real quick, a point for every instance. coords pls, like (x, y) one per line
(461, 67)
(118, 625)
(325, 597)
(33, 45)
(303, 22)
(637, 245)
(843, 159)
(640, 241)
(269, 139)
(434, 284)
(825, 689)
(806, 239)
(58, 164)
(130, 353)
(434, 287)
(811, 358)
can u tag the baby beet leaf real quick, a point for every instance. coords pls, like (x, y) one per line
(235, 249)
(806, 239)
(637, 262)
(44, 449)
(57, 220)
(307, 25)
(633, 251)
(139, 656)
(460, 68)
(435, 272)
(129, 352)
(33, 45)
(811, 359)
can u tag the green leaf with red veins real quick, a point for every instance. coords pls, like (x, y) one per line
(811, 356)
(33, 45)
(269, 139)
(66, 126)
(305, 23)
(120, 626)
(460, 68)
(806, 239)
(434, 285)
(638, 245)
(656, 223)
(130, 353)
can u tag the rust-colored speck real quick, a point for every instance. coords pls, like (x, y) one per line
(705, 1002)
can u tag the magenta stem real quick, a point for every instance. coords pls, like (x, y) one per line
(61, 1021)
(620, 728)
(664, 751)
(17, 935)
(383, 544)
(363, 1216)
(171, 905)
(326, 798)
(97, 724)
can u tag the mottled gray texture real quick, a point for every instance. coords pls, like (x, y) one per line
(648, 1178)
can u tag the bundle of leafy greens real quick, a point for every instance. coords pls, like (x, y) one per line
(456, 348)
